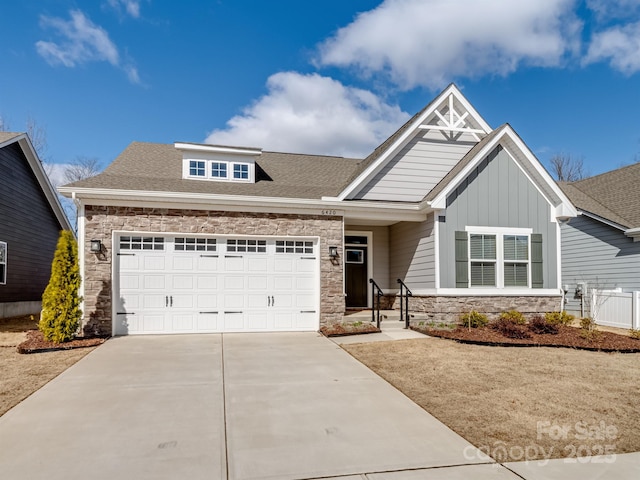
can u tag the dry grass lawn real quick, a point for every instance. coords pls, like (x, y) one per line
(24, 374)
(518, 403)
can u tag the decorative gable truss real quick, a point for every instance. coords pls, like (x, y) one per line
(416, 158)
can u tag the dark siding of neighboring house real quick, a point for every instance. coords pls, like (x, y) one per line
(600, 255)
(29, 227)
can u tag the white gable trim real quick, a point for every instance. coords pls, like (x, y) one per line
(545, 184)
(417, 125)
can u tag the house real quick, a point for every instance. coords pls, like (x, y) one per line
(31, 218)
(601, 247)
(188, 237)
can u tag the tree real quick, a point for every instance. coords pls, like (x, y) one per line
(81, 168)
(566, 168)
(60, 302)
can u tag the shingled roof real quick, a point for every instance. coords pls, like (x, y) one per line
(158, 167)
(613, 195)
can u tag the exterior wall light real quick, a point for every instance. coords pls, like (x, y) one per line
(96, 246)
(333, 252)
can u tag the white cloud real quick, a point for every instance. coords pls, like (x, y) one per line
(619, 45)
(312, 114)
(81, 41)
(56, 173)
(131, 7)
(430, 42)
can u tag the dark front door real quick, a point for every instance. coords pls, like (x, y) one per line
(356, 276)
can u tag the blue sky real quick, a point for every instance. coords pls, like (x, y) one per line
(329, 77)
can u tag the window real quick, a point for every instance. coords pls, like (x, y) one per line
(241, 171)
(141, 243)
(196, 168)
(516, 261)
(3, 263)
(183, 244)
(498, 257)
(482, 256)
(354, 256)
(293, 246)
(218, 170)
(252, 246)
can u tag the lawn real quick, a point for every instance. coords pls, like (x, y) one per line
(518, 403)
(24, 374)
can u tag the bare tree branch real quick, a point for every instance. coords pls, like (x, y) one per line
(566, 168)
(81, 168)
(38, 136)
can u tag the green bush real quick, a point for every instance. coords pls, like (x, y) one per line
(60, 302)
(474, 319)
(589, 329)
(513, 316)
(559, 318)
(634, 333)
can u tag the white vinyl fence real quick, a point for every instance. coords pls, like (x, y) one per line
(613, 308)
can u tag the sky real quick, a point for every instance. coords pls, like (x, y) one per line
(330, 77)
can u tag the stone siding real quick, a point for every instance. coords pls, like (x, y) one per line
(101, 221)
(448, 309)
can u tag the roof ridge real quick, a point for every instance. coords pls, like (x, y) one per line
(603, 174)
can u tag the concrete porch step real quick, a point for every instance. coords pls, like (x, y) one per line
(388, 318)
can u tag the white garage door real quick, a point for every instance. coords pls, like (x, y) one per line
(188, 284)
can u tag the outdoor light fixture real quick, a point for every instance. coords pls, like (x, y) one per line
(96, 246)
(333, 252)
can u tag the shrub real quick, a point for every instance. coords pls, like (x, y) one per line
(540, 324)
(60, 302)
(634, 333)
(513, 316)
(589, 329)
(474, 319)
(559, 318)
(509, 328)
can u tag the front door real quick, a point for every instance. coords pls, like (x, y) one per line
(356, 276)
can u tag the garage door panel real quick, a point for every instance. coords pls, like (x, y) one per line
(282, 301)
(257, 321)
(233, 321)
(207, 282)
(234, 282)
(282, 283)
(183, 263)
(283, 264)
(306, 264)
(257, 300)
(257, 282)
(305, 321)
(207, 301)
(129, 281)
(130, 301)
(233, 263)
(182, 301)
(154, 262)
(152, 322)
(305, 301)
(208, 322)
(154, 301)
(154, 282)
(305, 283)
(231, 301)
(129, 262)
(184, 322)
(207, 263)
(283, 320)
(257, 264)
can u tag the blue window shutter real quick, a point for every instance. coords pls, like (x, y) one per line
(537, 279)
(462, 260)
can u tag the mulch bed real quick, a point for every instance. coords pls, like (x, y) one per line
(35, 343)
(566, 337)
(343, 329)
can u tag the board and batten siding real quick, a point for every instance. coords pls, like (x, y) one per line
(28, 225)
(497, 194)
(417, 168)
(412, 254)
(379, 250)
(600, 255)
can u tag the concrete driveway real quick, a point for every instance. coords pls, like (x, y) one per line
(239, 406)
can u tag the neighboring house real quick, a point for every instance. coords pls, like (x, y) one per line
(207, 238)
(31, 218)
(600, 247)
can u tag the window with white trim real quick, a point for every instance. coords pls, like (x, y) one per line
(294, 246)
(251, 246)
(497, 257)
(141, 243)
(196, 168)
(3, 263)
(188, 244)
(241, 171)
(218, 169)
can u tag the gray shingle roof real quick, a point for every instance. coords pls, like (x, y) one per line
(613, 195)
(158, 167)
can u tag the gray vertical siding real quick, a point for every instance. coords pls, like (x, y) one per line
(600, 255)
(380, 250)
(417, 168)
(28, 225)
(412, 253)
(497, 194)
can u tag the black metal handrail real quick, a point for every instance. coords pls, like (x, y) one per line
(376, 293)
(404, 313)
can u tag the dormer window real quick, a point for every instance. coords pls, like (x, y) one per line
(218, 170)
(241, 171)
(216, 163)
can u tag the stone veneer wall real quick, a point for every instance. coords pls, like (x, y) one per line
(101, 221)
(447, 309)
